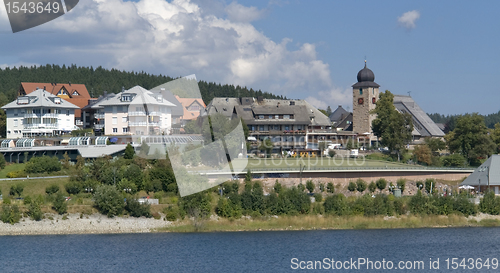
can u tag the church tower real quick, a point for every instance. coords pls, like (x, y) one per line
(364, 98)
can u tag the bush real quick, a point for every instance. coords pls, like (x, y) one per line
(301, 187)
(454, 160)
(170, 214)
(318, 197)
(60, 204)
(52, 189)
(108, 200)
(136, 209)
(73, 187)
(372, 187)
(16, 174)
(401, 184)
(34, 210)
(331, 153)
(44, 164)
(352, 186)
(360, 185)
(381, 184)
(330, 187)
(490, 204)
(321, 187)
(10, 214)
(336, 205)
(277, 187)
(430, 182)
(310, 186)
(2, 161)
(16, 190)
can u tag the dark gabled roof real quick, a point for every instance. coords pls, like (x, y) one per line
(488, 172)
(421, 121)
(339, 114)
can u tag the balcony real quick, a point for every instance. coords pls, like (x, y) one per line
(99, 115)
(278, 132)
(98, 126)
(322, 131)
(46, 115)
(40, 126)
(143, 123)
(136, 114)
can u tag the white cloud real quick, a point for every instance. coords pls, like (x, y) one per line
(239, 13)
(408, 19)
(180, 38)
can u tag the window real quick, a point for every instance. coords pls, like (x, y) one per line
(67, 112)
(361, 91)
(124, 119)
(276, 127)
(115, 120)
(291, 116)
(261, 128)
(292, 102)
(276, 116)
(16, 123)
(286, 116)
(125, 98)
(115, 130)
(57, 100)
(125, 129)
(114, 109)
(261, 116)
(287, 128)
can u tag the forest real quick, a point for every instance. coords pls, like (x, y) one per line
(97, 80)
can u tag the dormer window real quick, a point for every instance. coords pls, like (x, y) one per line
(75, 93)
(62, 92)
(57, 100)
(23, 100)
(126, 98)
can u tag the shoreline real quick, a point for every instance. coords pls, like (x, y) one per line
(101, 224)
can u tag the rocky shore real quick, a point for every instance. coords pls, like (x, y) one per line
(87, 224)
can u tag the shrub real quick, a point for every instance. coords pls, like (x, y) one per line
(330, 187)
(401, 184)
(44, 164)
(490, 204)
(10, 214)
(136, 209)
(430, 182)
(60, 204)
(2, 161)
(321, 187)
(310, 186)
(372, 187)
(108, 200)
(318, 197)
(129, 152)
(34, 210)
(454, 160)
(331, 153)
(73, 187)
(52, 189)
(336, 205)
(381, 184)
(360, 185)
(301, 187)
(170, 214)
(277, 187)
(15, 174)
(352, 186)
(16, 190)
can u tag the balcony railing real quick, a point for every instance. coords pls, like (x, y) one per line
(143, 123)
(279, 132)
(137, 113)
(40, 126)
(46, 115)
(99, 115)
(98, 126)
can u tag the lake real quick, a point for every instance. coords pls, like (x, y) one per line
(283, 251)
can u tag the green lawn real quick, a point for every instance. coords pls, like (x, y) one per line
(33, 186)
(11, 168)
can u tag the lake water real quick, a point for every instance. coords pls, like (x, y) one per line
(255, 251)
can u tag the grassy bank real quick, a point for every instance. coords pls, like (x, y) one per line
(326, 222)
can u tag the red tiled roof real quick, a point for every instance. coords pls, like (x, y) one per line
(81, 100)
(186, 102)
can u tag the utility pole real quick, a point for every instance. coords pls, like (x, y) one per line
(301, 169)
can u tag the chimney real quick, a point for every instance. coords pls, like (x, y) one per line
(69, 83)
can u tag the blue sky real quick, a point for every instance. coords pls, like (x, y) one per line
(445, 53)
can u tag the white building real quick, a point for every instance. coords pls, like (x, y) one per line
(39, 114)
(136, 111)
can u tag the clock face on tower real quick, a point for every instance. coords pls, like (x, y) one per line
(360, 101)
(374, 100)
